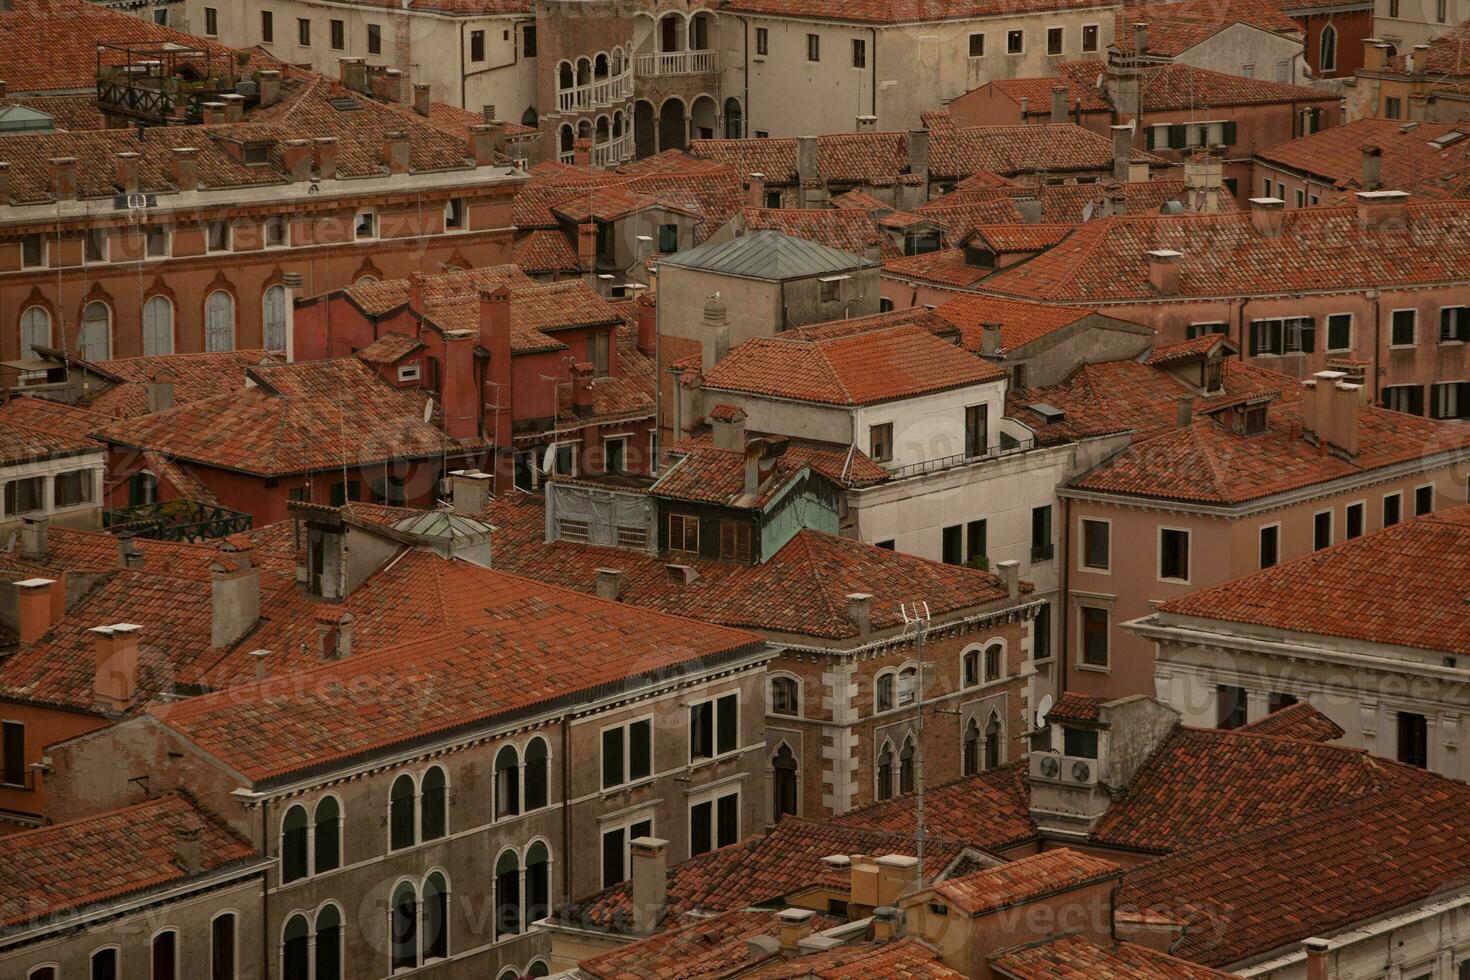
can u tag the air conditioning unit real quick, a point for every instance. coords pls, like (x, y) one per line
(1065, 769)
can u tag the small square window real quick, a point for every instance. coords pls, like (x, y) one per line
(1270, 552)
(1015, 42)
(303, 32)
(880, 442)
(408, 372)
(830, 290)
(95, 244)
(217, 235)
(1089, 38)
(1354, 527)
(277, 231)
(762, 41)
(977, 45)
(211, 22)
(374, 39)
(1423, 500)
(1095, 545)
(32, 251)
(156, 242)
(1054, 40)
(366, 225)
(339, 35)
(1322, 530)
(1393, 509)
(1402, 332)
(1174, 554)
(1340, 332)
(454, 214)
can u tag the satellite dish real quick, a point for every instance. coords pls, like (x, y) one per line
(1042, 709)
(428, 410)
(548, 460)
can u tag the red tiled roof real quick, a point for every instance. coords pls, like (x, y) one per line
(862, 369)
(298, 418)
(1251, 894)
(1403, 586)
(991, 811)
(1409, 160)
(1173, 28)
(1076, 957)
(846, 465)
(872, 159)
(388, 349)
(1020, 322)
(1319, 248)
(717, 476)
(38, 428)
(902, 11)
(1448, 56)
(841, 228)
(1185, 350)
(947, 267)
(813, 573)
(548, 644)
(105, 857)
(1299, 720)
(699, 187)
(1182, 86)
(1021, 149)
(1072, 706)
(545, 251)
(903, 959)
(704, 948)
(67, 112)
(195, 376)
(1025, 879)
(1021, 237)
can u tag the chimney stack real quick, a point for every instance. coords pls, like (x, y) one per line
(1059, 104)
(344, 635)
(1163, 271)
(1140, 40)
(610, 584)
(129, 555)
(1122, 151)
(459, 395)
(234, 107)
(325, 151)
(270, 87)
(185, 165)
(649, 858)
(808, 176)
(1203, 179)
(4, 184)
(587, 247)
(582, 151)
(159, 392)
(482, 145)
(1383, 210)
(115, 662)
(647, 324)
(353, 73)
(234, 586)
(1319, 413)
(63, 178)
(990, 339)
(860, 612)
(1345, 426)
(897, 875)
(395, 152)
(189, 849)
(297, 156)
(34, 601)
(495, 337)
(127, 171)
(716, 331)
(1184, 411)
(1025, 110)
(582, 373)
(727, 424)
(918, 147)
(421, 99)
(867, 124)
(213, 113)
(1010, 574)
(1267, 216)
(794, 926)
(1372, 175)
(887, 924)
(755, 191)
(1316, 959)
(469, 491)
(33, 535)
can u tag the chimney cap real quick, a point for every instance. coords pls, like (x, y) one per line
(125, 627)
(1382, 196)
(1165, 254)
(837, 861)
(1316, 945)
(34, 583)
(859, 596)
(796, 916)
(1267, 202)
(904, 861)
(1329, 375)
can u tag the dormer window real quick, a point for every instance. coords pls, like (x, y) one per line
(979, 257)
(257, 154)
(1212, 375)
(1251, 420)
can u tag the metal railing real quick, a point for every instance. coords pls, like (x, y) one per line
(677, 63)
(614, 151)
(177, 520)
(597, 93)
(960, 459)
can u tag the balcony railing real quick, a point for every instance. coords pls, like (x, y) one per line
(613, 152)
(677, 63)
(598, 93)
(1006, 447)
(179, 519)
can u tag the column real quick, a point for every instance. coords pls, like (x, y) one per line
(1256, 705)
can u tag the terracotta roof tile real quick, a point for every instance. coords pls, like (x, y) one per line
(1410, 160)
(1025, 879)
(388, 349)
(717, 476)
(1076, 957)
(862, 369)
(1182, 86)
(704, 948)
(840, 228)
(947, 267)
(194, 376)
(991, 811)
(545, 251)
(1299, 720)
(1020, 322)
(38, 428)
(1072, 706)
(846, 465)
(69, 866)
(1022, 149)
(873, 159)
(1173, 28)
(904, 959)
(901, 11)
(1403, 586)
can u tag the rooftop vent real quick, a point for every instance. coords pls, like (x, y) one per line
(1445, 139)
(344, 104)
(1048, 412)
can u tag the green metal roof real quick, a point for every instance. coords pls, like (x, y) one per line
(768, 255)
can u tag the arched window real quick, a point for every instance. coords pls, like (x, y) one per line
(431, 796)
(1327, 57)
(293, 844)
(538, 882)
(35, 331)
(971, 760)
(328, 842)
(273, 318)
(883, 693)
(600, 66)
(508, 909)
(908, 686)
(166, 955)
(538, 968)
(329, 943)
(436, 917)
(158, 327)
(970, 668)
(995, 659)
(296, 949)
(564, 77)
(534, 775)
(403, 929)
(224, 934)
(734, 126)
(529, 117)
(584, 71)
(106, 963)
(566, 139)
(400, 813)
(783, 791)
(219, 321)
(95, 342)
(510, 973)
(507, 783)
(992, 742)
(885, 772)
(906, 767)
(785, 696)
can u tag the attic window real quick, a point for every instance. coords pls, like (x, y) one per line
(1048, 412)
(1212, 375)
(1444, 140)
(408, 372)
(344, 104)
(1251, 420)
(979, 257)
(256, 154)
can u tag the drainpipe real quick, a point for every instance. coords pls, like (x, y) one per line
(1064, 613)
(1376, 297)
(873, 79)
(745, 67)
(464, 85)
(566, 809)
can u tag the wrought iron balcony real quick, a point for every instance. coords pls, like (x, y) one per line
(177, 520)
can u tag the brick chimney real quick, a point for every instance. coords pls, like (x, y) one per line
(1059, 104)
(234, 107)
(188, 848)
(495, 337)
(297, 156)
(990, 339)
(1122, 151)
(807, 173)
(393, 85)
(716, 332)
(421, 99)
(649, 859)
(1025, 110)
(127, 171)
(1010, 573)
(469, 491)
(755, 190)
(866, 124)
(35, 602)
(918, 151)
(610, 584)
(887, 924)
(1203, 179)
(793, 925)
(1163, 271)
(1382, 210)
(647, 324)
(1372, 167)
(1345, 424)
(353, 73)
(33, 543)
(234, 588)
(582, 151)
(270, 87)
(1267, 216)
(395, 152)
(325, 150)
(185, 167)
(214, 113)
(63, 178)
(582, 388)
(1183, 411)
(129, 555)
(4, 184)
(459, 394)
(587, 247)
(727, 424)
(860, 612)
(482, 145)
(115, 662)
(1317, 950)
